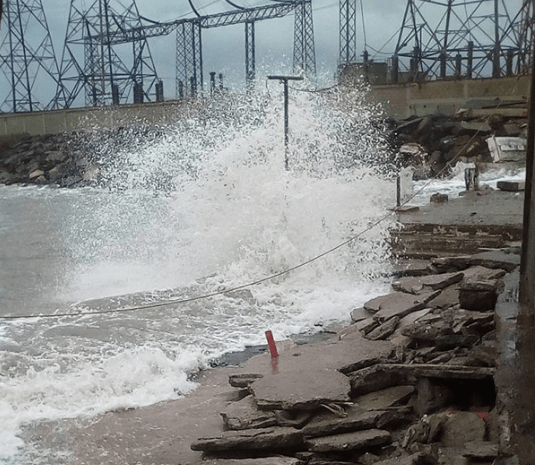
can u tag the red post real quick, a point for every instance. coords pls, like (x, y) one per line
(271, 344)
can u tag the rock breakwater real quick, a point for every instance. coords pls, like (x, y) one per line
(410, 382)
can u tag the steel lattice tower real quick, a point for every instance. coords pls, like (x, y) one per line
(472, 38)
(304, 59)
(189, 66)
(92, 58)
(27, 58)
(348, 32)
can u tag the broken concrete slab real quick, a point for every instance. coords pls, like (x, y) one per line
(275, 460)
(301, 390)
(357, 440)
(481, 273)
(461, 428)
(256, 439)
(243, 380)
(398, 304)
(384, 330)
(495, 259)
(419, 285)
(359, 314)
(511, 186)
(374, 378)
(357, 419)
(414, 459)
(245, 415)
(484, 450)
(385, 398)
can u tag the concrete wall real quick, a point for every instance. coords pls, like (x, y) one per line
(446, 97)
(399, 101)
(78, 119)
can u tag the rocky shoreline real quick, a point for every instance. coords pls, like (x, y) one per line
(411, 381)
(414, 380)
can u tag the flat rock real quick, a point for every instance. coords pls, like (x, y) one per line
(398, 304)
(414, 459)
(277, 460)
(245, 415)
(256, 439)
(301, 390)
(243, 380)
(496, 259)
(481, 450)
(481, 273)
(441, 371)
(350, 441)
(357, 419)
(511, 186)
(385, 398)
(419, 285)
(384, 330)
(359, 314)
(374, 378)
(461, 428)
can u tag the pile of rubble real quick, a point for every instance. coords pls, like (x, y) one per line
(430, 144)
(410, 382)
(49, 159)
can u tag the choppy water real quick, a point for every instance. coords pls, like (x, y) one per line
(203, 206)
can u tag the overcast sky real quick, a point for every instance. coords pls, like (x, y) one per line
(224, 47)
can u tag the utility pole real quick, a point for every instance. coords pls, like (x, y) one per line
(523, 432)
(284, 80)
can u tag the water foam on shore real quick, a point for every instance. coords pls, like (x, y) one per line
(199, 207)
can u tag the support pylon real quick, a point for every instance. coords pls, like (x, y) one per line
(348, 32)
(304, 59)
(27, 57)
(189, 69)
(106, 75)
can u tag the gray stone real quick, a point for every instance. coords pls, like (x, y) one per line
(384, 330)
(496, 259)
(414, 459)
(374, 378)
(398, 304)
(419, 285)
(481, 450)
(256, 439)
(245, 415)
(385, 398)
(481, 273)
(511, 186)
(243, 380)
(302, 390)
(431, 396)
(357, 440)
(441, 371)
(359, 314)
(462, 427)
(276, 460)
(327, 423)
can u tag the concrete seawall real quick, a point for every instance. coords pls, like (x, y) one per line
(399, 101)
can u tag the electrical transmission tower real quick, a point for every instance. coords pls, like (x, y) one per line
(472, 38)
(27, 58)
(348, 32)
(304, 48)
(93, 58)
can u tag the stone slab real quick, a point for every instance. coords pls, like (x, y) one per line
(301, 390)
(511, 186)
(385, 398)
(483, 450)
(350, 441)
(461, 428)
(256, 439)
(245, 415)
(419, 285)
(327, 423)
(398, 304)
(278, 460)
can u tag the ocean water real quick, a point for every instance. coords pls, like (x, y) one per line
(106, 283)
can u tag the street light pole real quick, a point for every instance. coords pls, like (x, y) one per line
(284, 80)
